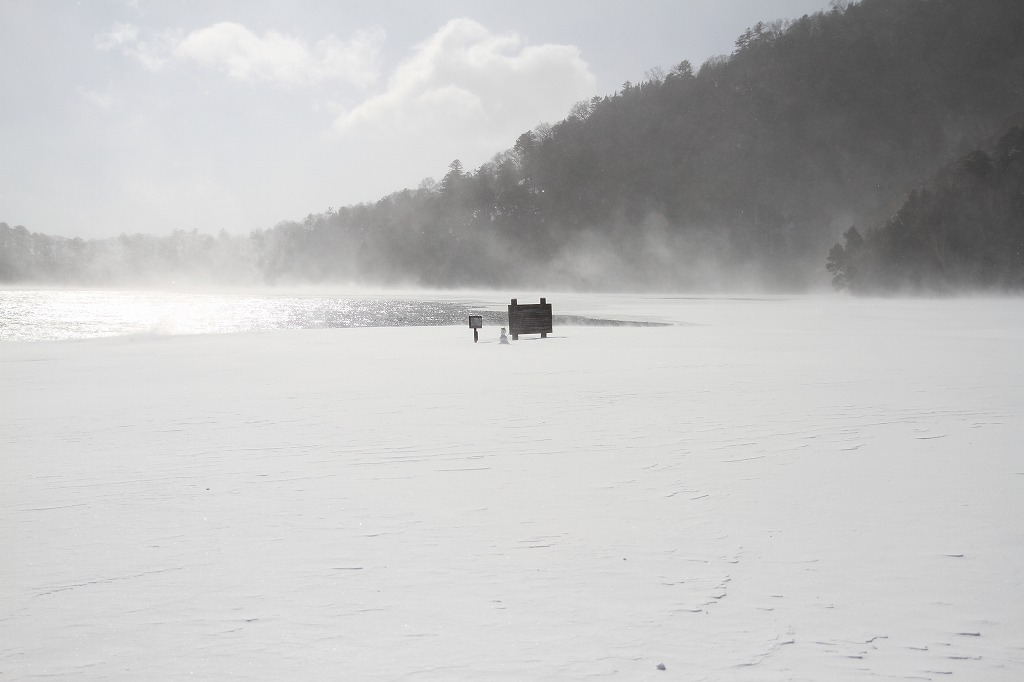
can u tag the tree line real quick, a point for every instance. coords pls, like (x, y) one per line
(963, 231)
(741, 172)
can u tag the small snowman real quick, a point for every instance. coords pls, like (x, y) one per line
(503, 339)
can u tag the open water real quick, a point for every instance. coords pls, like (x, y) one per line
(40, 315)
(58, 314)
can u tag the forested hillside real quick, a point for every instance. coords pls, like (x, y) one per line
(965, 231)
(739, 173)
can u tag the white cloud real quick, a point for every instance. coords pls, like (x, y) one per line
(152, 53)
(282, 59)
(118, 36)
(466, 80)
(243, 55)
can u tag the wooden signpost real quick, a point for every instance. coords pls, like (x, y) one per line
(530, 318)
(475, 323)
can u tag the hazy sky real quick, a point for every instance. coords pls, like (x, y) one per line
(154, 115)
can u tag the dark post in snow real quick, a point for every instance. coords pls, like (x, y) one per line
(531, 318)
(475, 323)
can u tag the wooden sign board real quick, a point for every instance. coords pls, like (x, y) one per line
(530, 318)
(476, 321)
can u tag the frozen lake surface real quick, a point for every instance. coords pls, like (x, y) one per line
(775, 489)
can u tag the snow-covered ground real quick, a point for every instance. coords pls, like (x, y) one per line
(775, 489)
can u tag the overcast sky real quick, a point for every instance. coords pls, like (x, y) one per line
(154, 115)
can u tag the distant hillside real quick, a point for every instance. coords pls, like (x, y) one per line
(806, 128)
(740, 173)
(964, 231)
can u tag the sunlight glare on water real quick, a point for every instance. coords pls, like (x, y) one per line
(38, 315)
